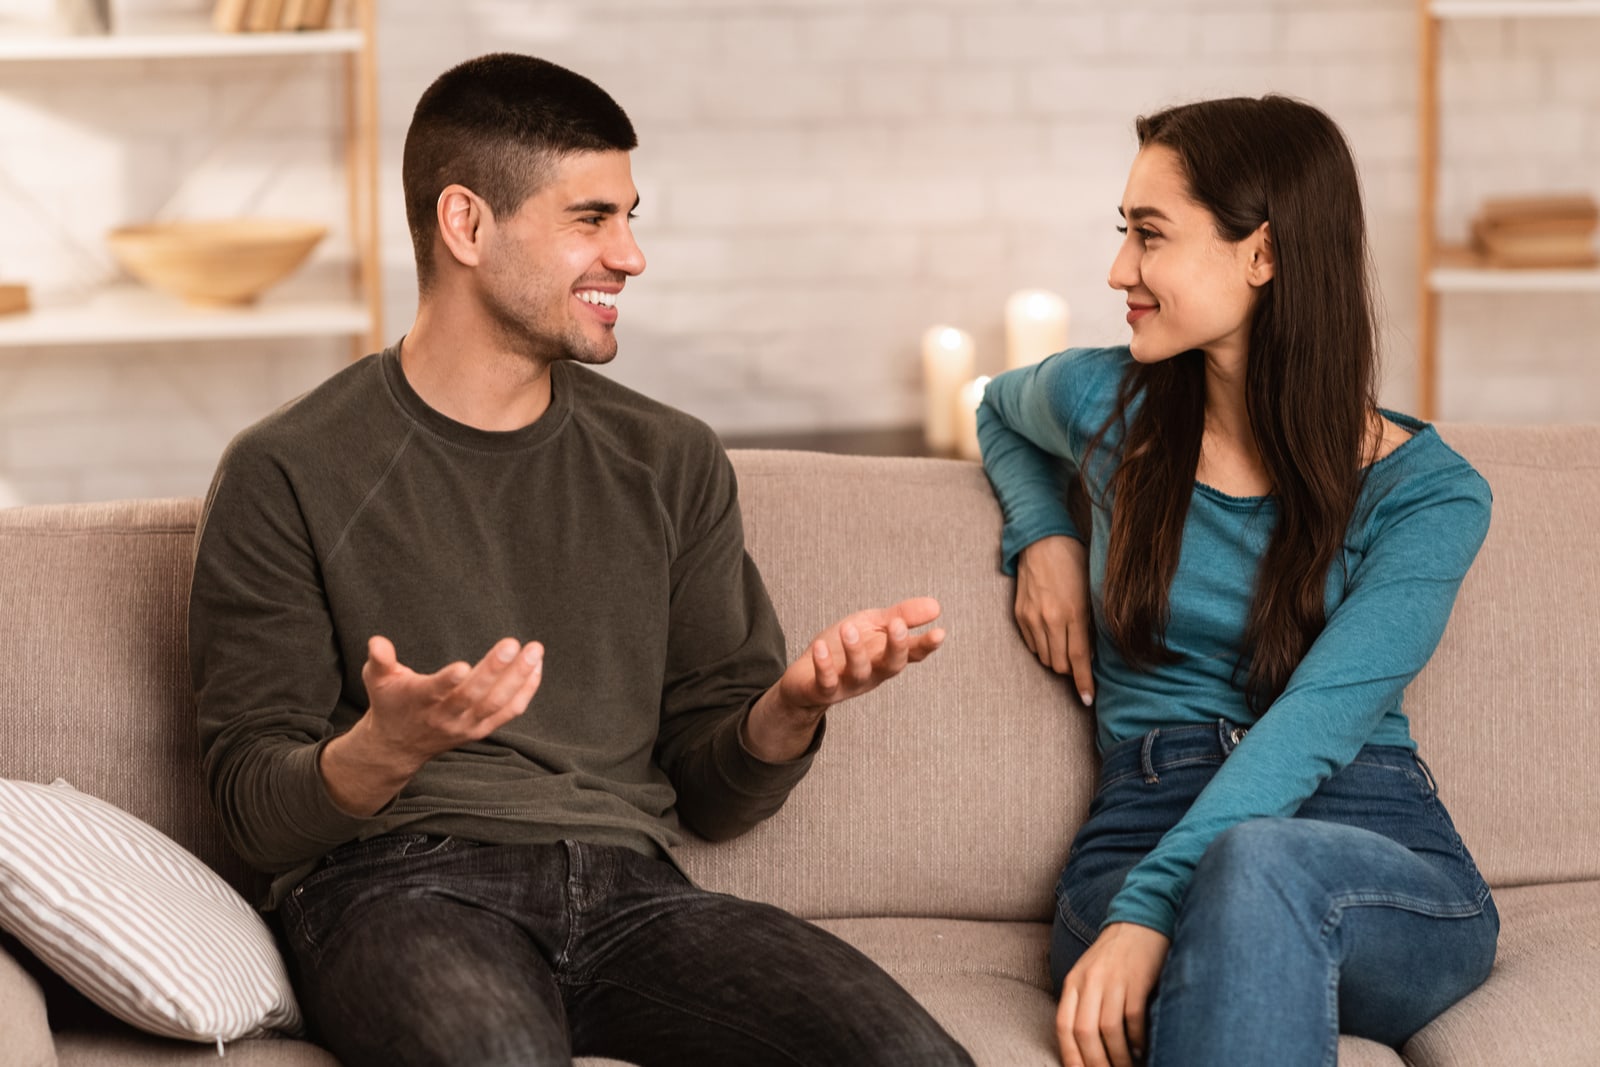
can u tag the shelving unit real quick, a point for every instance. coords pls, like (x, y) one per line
(1437, 271)
(130, 314)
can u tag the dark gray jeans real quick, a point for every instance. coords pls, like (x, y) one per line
(413, 949)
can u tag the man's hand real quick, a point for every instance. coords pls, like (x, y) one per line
(1102, 1016)
(1053, 609)
(853, 656)
(411, 717)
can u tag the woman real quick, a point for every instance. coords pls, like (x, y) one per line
(1271, 560)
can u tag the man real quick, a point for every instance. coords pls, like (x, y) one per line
(473, 630)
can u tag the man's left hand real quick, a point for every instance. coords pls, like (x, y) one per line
(853, 656)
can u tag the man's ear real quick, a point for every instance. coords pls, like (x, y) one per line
(464, 219)
(1258, 246)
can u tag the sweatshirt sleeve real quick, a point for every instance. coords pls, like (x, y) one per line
(1031, 433)
(266, 667)
(725, 648)
(1397, 601)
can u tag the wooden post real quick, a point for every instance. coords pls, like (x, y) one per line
(1427, 207)
(361, 171)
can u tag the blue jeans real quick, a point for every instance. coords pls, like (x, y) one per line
(1363, 913)
(411, 949)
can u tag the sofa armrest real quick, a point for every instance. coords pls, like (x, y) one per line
(22, 1017)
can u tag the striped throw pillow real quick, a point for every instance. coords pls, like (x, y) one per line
(135, 922)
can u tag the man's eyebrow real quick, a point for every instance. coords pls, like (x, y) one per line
(1139, 213)
(599, 207)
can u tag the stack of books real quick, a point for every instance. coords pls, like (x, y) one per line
(1537, 231)
(268, 16)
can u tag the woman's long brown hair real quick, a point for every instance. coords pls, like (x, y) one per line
(1309, 384)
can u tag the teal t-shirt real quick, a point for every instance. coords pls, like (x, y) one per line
(1422, 515)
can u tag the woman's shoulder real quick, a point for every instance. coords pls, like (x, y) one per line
(1082, 383)
(1423, 476)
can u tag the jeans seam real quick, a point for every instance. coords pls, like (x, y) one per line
(1073, 921)
(687, 1008)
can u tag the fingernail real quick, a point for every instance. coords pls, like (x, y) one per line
(506, 654)
(1087, 697)
(532, 654)
(848, 632)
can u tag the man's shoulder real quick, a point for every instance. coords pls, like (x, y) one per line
(640, 427)
(316, 422)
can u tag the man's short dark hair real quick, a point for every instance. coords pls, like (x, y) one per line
(497, 124)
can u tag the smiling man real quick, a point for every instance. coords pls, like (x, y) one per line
(474, 633)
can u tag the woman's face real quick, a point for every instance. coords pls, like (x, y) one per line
(1187, 286)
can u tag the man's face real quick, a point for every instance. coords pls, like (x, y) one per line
(554, 270)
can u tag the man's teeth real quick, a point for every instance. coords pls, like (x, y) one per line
(594, 296)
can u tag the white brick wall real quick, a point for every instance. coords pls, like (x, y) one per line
(822, 179)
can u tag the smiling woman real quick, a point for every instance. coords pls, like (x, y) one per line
(1270, 560)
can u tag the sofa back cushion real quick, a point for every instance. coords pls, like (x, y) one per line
(96, 686)
(1504, 713)
(956, 788)
(953, 791)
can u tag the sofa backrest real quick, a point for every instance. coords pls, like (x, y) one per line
(953, 791)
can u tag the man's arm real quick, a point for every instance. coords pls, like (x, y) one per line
(415, 717)
(852, 657)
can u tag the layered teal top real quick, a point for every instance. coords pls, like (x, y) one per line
(1422, 515)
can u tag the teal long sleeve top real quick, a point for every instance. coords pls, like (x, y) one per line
(1421, 518)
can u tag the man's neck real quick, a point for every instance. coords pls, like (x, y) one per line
(471, 378)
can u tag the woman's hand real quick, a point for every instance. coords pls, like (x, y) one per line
(1101, 1018)
(1053, 610)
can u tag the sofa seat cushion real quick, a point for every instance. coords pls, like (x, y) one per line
(988, 984)
(1538, 1005)
(23, 1018)
(124, 1047)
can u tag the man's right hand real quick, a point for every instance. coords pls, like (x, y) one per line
(1053, 610)
(411, 717)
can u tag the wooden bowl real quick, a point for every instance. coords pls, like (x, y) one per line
(214, 263)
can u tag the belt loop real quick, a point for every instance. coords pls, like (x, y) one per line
(1146, 764)
(1427, 773)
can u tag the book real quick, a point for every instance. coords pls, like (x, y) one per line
(228, 16)
(263, 16)
(13, 299)
(315, 15)
(1574, 208)
(1576, 249)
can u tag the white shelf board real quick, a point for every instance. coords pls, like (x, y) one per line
(131, 314)
(1513, 9)
(1484, 280)
(171, 39)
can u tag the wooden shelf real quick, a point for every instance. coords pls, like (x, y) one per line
(1513, 9)
(173, 39)
(1491, 280)
(132, 314)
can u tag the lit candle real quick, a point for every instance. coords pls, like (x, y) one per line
(967, 402)
(947, 355)
(1036, 326)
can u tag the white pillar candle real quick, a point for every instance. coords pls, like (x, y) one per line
(947, 355)
(1036, 326)
(967, 402)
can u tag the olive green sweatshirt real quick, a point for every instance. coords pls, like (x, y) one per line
(609, 530)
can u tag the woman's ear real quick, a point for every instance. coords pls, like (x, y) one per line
(463, 220)
(1258, 246)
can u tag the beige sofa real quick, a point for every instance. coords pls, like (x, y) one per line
(931, 829)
